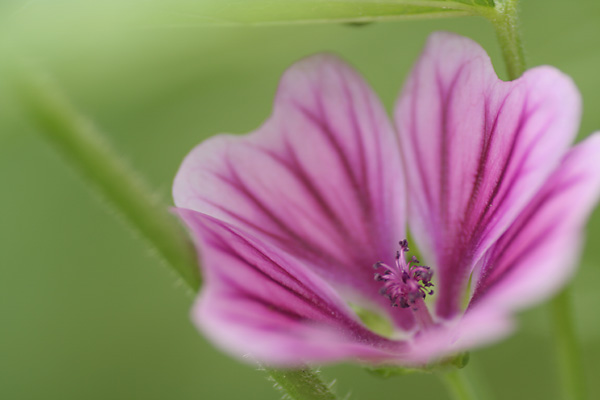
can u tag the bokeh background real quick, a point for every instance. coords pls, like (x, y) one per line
(86, 311)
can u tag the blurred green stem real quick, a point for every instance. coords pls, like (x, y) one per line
(83, 146)
(569, 353)
(457, 385)
(505, 19)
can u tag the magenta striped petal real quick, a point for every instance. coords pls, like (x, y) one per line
(540, 250)
(475, 328)
(321, 179)
(476, 150)
(264, 304)
(532, 260)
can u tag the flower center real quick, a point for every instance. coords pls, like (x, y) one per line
(405, 283)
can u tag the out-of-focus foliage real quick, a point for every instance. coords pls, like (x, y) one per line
(227, 12)
(87, 313)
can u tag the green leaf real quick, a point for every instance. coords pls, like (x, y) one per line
(181, 13)
(306, 11)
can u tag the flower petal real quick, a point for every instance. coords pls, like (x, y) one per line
(477, 327)
(530, 261)
(476, 150)
(538, 253)
(321, 179)
(261, 304)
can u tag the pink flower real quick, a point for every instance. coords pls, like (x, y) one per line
(291, 219)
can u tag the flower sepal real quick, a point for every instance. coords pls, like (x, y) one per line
(387, 372)
(457, 361)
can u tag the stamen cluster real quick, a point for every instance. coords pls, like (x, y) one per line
(406, 282)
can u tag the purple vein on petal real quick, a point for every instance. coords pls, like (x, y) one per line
(302, 293)
(523, 117)
(323, 310)
(520, 167)
(487, 140)
(239, 185)
(444, 149)
(335, 145)
(290, 162)
(415, 143)
(493, 276)
(294, 167)
(294, 240)
(356, 132)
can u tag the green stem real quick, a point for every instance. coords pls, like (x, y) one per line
(506, 22)
(301, 384)
(82, 144)
(457, 385)
(569, 353)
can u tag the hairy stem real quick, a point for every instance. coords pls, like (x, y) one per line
(301, 384)
(83, 145)
(506, 22)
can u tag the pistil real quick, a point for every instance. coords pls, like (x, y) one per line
(406, 284)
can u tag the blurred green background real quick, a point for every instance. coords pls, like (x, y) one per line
(87, 312)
